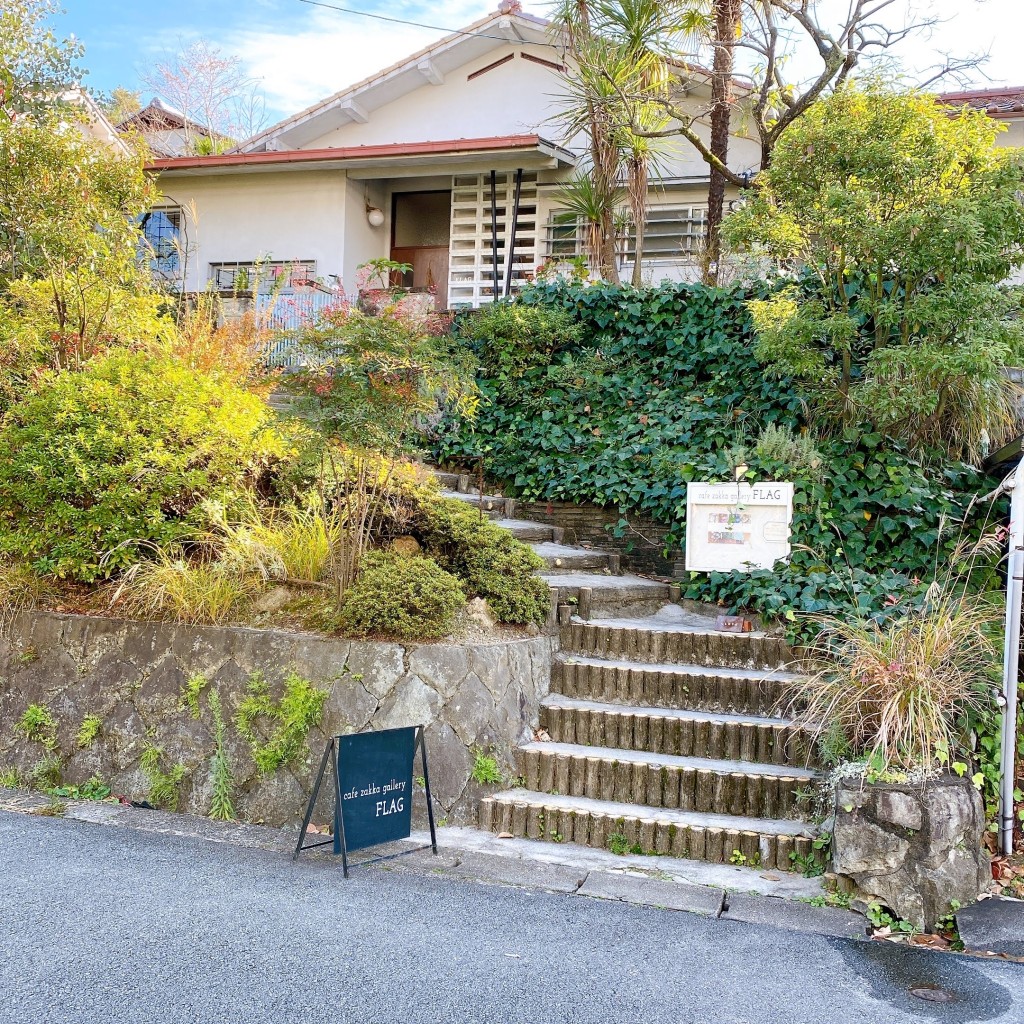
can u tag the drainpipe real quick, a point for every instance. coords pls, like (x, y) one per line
(1011, 654)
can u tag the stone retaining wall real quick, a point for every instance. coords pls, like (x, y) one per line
(130, 674)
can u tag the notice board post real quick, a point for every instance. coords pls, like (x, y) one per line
(372, 791)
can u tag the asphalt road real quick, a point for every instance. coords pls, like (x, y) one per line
(108, 925)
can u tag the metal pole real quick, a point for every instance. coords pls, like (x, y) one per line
(510, 257)
(1011, 655)
(494, 231)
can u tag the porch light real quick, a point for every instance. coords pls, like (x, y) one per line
(375, 216)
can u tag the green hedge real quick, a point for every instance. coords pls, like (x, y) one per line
(654, 390)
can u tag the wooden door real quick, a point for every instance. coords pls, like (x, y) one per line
(429, 269)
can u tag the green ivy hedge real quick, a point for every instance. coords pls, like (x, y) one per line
(653, 390)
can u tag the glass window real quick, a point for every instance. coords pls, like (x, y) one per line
(162, 230)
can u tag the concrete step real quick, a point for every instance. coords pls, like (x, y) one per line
(526, 530)
(561, 558)
(660, 685)
(666, 780)
(684, 733)
(448, 481)
(605, 596)
(648, 640)
(764, 843)
(493, 505)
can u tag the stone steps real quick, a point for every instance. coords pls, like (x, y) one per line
(689, 644)
(561, 558)
(716, 838)
(492, 505)
(665, 780)
(679, 732)
(606, 596)
(660, 734)
(663, 685)
(527, 530)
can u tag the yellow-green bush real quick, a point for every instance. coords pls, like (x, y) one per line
(97, 465)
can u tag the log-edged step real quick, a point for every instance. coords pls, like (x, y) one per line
(666, 780)
(696, 687)
(561, 558)
(685, 644)
(609, 595)
(717, 838)
(681, 732)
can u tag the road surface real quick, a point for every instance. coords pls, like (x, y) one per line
(103, 925)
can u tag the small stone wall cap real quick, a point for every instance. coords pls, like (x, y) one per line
(993, 925)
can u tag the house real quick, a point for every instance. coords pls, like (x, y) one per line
(450, 160)
(94, 124)
(1003, 105)
(168, 132)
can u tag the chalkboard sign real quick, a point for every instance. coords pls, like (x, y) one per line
(373, 789)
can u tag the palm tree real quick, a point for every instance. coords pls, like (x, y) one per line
(728, 16)
(624, 69)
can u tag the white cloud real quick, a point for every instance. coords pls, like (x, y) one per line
(326, 51)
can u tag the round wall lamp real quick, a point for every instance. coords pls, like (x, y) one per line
(375, 216)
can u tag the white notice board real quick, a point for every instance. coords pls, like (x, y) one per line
(737, 526)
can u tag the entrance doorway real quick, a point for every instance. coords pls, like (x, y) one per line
(421, 227)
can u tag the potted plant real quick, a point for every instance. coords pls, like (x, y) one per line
(375, 282)
(888, 697)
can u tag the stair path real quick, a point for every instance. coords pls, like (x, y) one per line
(661, 735)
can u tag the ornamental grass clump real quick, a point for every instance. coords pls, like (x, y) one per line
(195, 591)
(289, 544)
(891, 693)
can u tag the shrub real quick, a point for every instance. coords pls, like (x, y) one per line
(491, 562)
(401, 597)
(100, 462)
(510, 337)
(907, 218)
(788, 448)
(647, 398)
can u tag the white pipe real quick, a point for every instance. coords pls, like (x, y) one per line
(1011, 654)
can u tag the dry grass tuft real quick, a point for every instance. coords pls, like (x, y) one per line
(895, 689)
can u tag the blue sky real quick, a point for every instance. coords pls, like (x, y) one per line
(302, 53)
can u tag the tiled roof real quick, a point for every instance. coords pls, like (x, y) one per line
(995, 102)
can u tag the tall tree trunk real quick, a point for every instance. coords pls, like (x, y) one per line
(727, 25)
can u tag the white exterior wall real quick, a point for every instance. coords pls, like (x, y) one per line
(517, 98)
(1014, 135)
(280, 216)
(362, 241)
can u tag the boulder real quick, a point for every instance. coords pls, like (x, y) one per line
(915, 847)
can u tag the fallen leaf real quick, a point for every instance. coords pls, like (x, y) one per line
(505, 835)
(771, 877)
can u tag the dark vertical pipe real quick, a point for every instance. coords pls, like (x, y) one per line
(510, 256)
(494, 231)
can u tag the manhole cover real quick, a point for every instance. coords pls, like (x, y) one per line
(932, 994)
